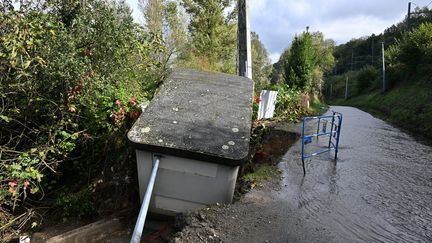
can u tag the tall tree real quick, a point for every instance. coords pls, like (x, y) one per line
(300, 65)
(213, 34)
(261, 66)
(175, 32)
(309, 58)
(153, 15)
(166, 25)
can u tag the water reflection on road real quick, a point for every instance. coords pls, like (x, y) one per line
(379, 190)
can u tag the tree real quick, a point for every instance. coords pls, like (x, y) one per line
(261, 66)
(175, 33)
(301, 62)
(153, 15)
(324, 59)
(308, 59)
(213, 35)
(167, 25)
(277, 74)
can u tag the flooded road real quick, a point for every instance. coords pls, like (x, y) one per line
(379, 190)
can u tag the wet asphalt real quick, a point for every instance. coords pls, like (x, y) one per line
(379, 189)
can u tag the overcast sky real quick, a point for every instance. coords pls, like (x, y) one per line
(277, 21)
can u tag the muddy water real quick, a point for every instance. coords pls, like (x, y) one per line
(379, 190)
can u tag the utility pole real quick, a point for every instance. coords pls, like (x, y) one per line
(373, 50)
(409, 15)
(346, 87)
(331, 89)
(352, 60)
(383, 68)
(244, 40)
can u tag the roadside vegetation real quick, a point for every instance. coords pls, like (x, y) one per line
(406, 101)
(74, 76)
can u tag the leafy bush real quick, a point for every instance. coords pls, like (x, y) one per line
(366, 78)
(72, 76)
(338, 82)
(77, 205)
(288, 104)
(412, 54)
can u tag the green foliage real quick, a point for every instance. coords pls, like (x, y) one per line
(300, 64)
(261, 66)
(366, 78)
(71, 77)
(77, 205)
(278, 72)
(213, 36)
(308, 59)
(414, 50)
(288, 104)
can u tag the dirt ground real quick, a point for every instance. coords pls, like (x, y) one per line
(250, 214)
(219, 223)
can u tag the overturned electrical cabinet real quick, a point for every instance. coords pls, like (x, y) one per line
(199, 123)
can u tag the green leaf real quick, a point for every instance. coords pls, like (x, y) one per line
(34, 190)
(26, 64)
(5, 118)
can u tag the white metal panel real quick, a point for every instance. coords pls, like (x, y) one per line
(185, 184)
(267, 104)
(189, 166)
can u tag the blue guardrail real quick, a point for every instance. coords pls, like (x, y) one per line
(335, 123)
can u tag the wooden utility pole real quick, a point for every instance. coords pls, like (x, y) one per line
(244, 40)
(346, 87)
(331, 89)
(409, 15)
(383, 68)
(373, 50)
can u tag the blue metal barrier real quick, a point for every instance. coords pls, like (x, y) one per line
(335, 122)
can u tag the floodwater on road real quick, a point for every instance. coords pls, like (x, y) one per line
(379, 190)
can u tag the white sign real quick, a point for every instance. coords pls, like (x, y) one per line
(267, 104)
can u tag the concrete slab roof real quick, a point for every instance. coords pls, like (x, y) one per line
(198, 115)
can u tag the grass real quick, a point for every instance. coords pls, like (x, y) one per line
(408, 105)
(263, 173)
